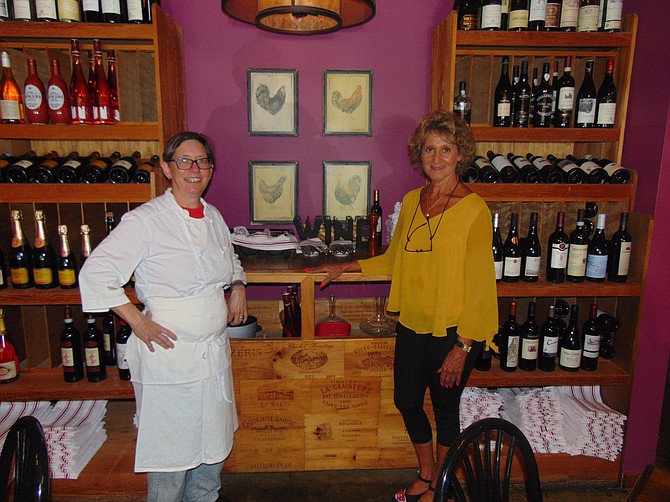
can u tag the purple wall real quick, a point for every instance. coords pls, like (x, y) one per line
(396, 46)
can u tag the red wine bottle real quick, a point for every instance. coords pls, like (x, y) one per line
(24, 10)
(121, 343)
(550, 332)
(518, 15)
(487, 173)
(113, 11)
(530, 340)
(37, 110)
(521, 92)
(108, 337)
(586, 99)
(96, 170)
(596, 260)
(552, 15)
(617, 174)
(376, 208)
(145, 168)
(67, 263)
(537, 14)
(46, 10)
(502, 98)
(497, 247)
(549, 172)
(595, 174)
(527, 171)
(20, 255)
(571, 171)
(565, 96)
(591, 333)
(512, 252)
(509, 341)
(531, 252)
(68, 11)
(587, 16)
(45, 171)
(71, 349)
(611, 14)
(606, 99)
(622, 245)
(80, 95)
(569, 15)
(58, 97)
(557, 252)
(577, 251)
(96, 370)
(123, 170)
(543, 101)
(91, 11)
(507, 172)
(9, 360)
(571, 344)
(71, 171)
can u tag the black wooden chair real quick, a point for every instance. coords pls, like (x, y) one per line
(25, 450)
(483, 456)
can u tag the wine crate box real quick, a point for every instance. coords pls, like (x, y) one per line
(280, 396)
(305, 359)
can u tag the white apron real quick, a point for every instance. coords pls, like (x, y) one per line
(185, 399)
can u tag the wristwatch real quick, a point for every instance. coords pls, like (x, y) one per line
(462, 346)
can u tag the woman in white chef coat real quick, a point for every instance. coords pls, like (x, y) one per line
(180, 251)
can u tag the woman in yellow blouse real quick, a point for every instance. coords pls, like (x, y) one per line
(443, 285)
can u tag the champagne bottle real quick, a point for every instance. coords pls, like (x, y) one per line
(571, 343)
(531, 252)
(376, 208)
(577, 251)
(468, 14)
(507, 172)
(102, 98)
(591, 350)
(569, 15)
(557, 249)
(497, 247)
(527, 171)
(11, 102)
(45, 263)
(71, 171)
(58, 97)
(518, 15)
(530, 340)
(113, 11)
(512, 252)
(537, 14)
(123, 170)
(67, 263)
(617, 174)
(596, 260)
(549, 172)
(20, 255)
(487, 173)
(113, 87)
(80, 96)
(462, 104)
(612, 11)
(96, 370)
(509, 341)
(36, 110)
(571, 171)
(521, 91)
(586, 99)
(71, 349)
(122, 336)
(606, 99)
(543, 106)
(108, 339)
(46, 10)
(144, 170)
(552, 15)
(502, 99)
(587, 16)
(68, 11)
(550, 333)
(9, 360)
(491, 15)
(85, 243)
(566, 96)
(91, 11)
(622, 245)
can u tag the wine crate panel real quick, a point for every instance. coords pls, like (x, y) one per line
(359, 395)
(318, 359)
(329, 431)
(253, 361)
(385, 458)
(392, 433)
(369, 357)
(264, 396)
(328, 459)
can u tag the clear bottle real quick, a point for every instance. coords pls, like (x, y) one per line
(586, 99)
(622, 245)
(462, 104)
(591, 332)
(9, 360)
(332, 324)
(497, 247)
(20, 255)
(80, 95)
(566, 96)
(557, 249)
(11, 101)
(36, 109)
(512, 252)
(570, 354)
(96, 371)
(606, 99)
(596, 260)
(45, 263)
(502, 98)
(531, 252)
(122, 336)
(58, 97)
(530, 340)
(71, 349)
(102, 98)
(113, 87)
(491, 15)
(378, 324)
(509, 341)
(550, 332)
(67, 263)
(577, 251)
(521, 91)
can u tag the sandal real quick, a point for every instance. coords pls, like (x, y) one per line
(403, 496)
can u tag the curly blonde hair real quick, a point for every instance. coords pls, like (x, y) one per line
(450, 127)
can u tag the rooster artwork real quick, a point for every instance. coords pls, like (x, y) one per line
(347, 105)
(271, 104)
(347, 102)
(346, 191)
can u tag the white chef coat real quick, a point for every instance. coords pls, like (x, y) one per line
(184, 396)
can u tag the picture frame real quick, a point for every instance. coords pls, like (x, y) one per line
(272, 102)
(273, 192)
(346, 188)
(347, 102)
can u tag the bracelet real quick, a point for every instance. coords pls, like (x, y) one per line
(462, 346)
(237, 283)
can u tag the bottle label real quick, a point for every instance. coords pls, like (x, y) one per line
(499, 269)
(591, 346)
(569, 13)
(91, 5)
(541, 162)
(106, 343)
(8, 370)
(9, 110)
(551, 16)
(92, 357)
(518, 19)
(529, 348)
(111, 6)
(121, 362)
(504, 109)
(67, 277)
(559, 255)
(612, 168)
(500, 163)
(2, 278)
(124, 164)
(134, 8)
(624, 258)
(512, 267)
(532, 266)
(505, 6)
(550, 346)
(22, 9)
(491, 15)
(566, 98)
(55, 97)
(577, 259)
(79, 112)
(588, 18)
(20, 276)
(468, 22)
(613, 15)
(24, 164)
(606, 112)
(68, 10)
(544, 105)
(103, 112)
(116, 115)
(596, 266)
(538, 10)
(4, 11)
(45, 9)
(512, 359)
(43, 276)
(33, 97)
(586, 113)
(570, 358)
(67, 355)
(588, 166)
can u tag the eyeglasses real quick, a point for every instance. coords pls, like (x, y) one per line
(410, 234)
(184, 164)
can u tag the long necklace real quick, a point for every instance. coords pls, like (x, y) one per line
(440, 198)
(431, 234)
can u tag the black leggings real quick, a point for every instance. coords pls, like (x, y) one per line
(417, 359)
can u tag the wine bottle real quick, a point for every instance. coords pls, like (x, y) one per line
(521, 91)
(113, 11)
(68, 11)
(566, 96)
(617, 174)
(139, 11)
(45, 263)
(586, 99)
(108, 339)
(11, 103)
(67, 263)
(571, 344)
(296, 311)
(96, 370)
(470, 175)
(498, 259)
(24, 10)
(36, 110)
(594, 173)
(512, 252)
(534, 84)
(509, 341)
(571, 171)
(22, 171)
(483, 362)
(591, 350)
(554, 87)
(80, 96)
(596, 260)
(144, 170)
(557, 249)
(462, 104)
(537, 14)
(531, 252)
(606, 99)
(71, 171)
(85, 243)
(113, 87)
(569, 15)
(9, 360)
(549, 172)
(122, 336)
(20, 255)
(622, 245)
(71, 350)
(577, 251)
(587, 16)
(110, 222)
(288, 324)
(468, 14)
(96, 170)
(491, 15)
(46, 10)
(5, 14)
(58, 97)
(502, 98)
(527, 171)
(504, 15)
(376, 208)
(611, 14)
(45, 171)
(518, 15)
(91, 11)
(487, 173)
(543, 101)
(507, 172)
(552, 15)
(102, 98)
(123, 170)
(530, 340)
(550, 333)
(92, 83)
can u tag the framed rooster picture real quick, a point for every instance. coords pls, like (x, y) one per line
(272, 102)
(346, 189)
(273, 190)
(347, 102)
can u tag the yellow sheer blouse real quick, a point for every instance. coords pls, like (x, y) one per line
(454, 283)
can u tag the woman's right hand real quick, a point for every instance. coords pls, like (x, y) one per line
(333, 271)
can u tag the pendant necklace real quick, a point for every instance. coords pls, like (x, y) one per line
(440, 198)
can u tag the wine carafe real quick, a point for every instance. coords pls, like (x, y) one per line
(332, 324)
(378, 324)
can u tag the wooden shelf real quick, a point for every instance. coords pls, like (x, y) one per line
(55, 296)
(107, 31)
(555, 41)
(544, 135)
(146, 131)
(75, 193)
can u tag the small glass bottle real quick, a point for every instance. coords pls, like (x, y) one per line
(11, 102)
(378, 324)
(462, 104)
(332, 324)
(9, 361)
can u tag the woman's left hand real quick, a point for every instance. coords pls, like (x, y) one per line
(452, 367)
(237, 306)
